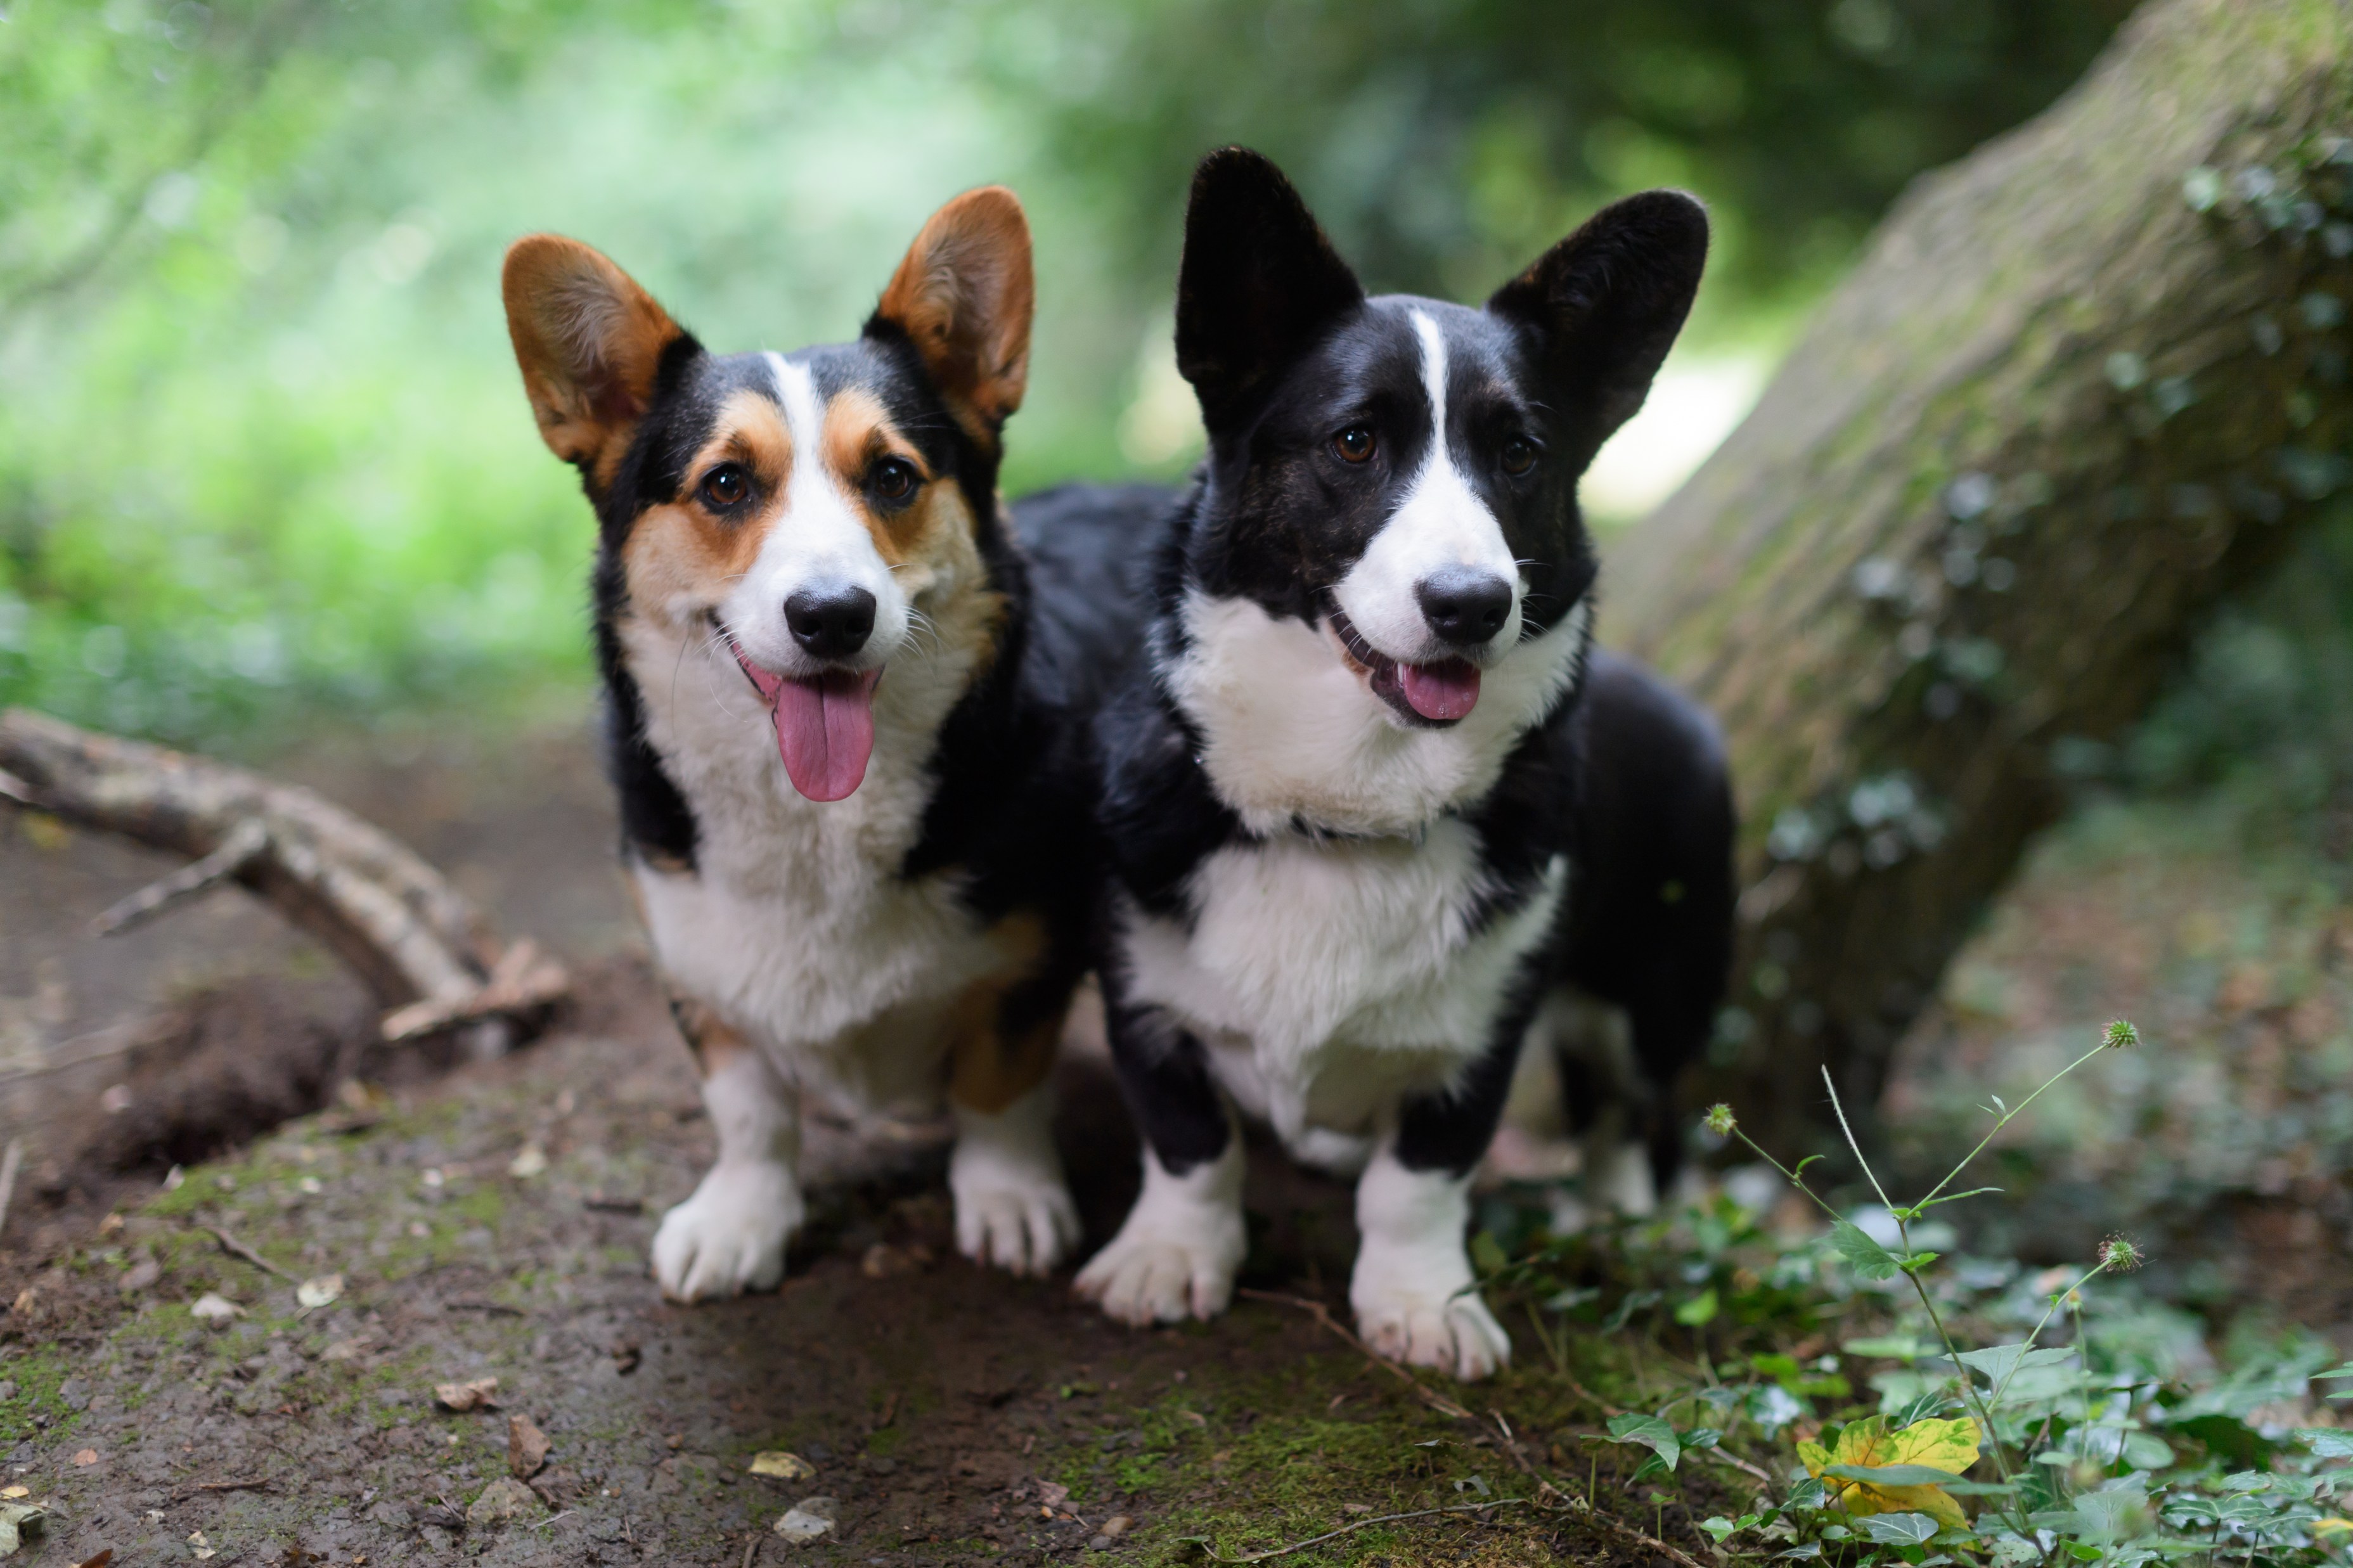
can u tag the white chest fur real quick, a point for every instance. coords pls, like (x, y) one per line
(1331, 976)
(795, 924)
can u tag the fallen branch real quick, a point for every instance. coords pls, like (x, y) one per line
(1322, 1315)
(247, 843)
(523, 981)
(237, 1248)
(1212, 1553)
(411, 936)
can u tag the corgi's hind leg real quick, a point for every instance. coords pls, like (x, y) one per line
(730, 1236)
(1012, 1206)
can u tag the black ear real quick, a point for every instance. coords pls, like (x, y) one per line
(1259, 284)
(1607, 303)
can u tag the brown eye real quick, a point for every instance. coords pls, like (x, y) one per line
(1355, 443)
(725, 485)
(894, 478)
(1519, 456)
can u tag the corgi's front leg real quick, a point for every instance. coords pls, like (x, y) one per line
(1415, 1296)
(1012, 1208)
(730, 1236)
(1182, 1245)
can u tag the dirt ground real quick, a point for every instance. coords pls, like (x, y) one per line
(494, 1224)
(492, 1220)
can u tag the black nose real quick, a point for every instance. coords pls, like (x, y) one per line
(831, 623)
(1463, 606)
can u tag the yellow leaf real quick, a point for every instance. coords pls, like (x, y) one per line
(1868, 1443)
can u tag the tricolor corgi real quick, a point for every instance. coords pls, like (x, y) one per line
(1372, 801)
(846, 735)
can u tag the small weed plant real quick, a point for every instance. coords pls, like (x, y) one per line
(2011, 1428)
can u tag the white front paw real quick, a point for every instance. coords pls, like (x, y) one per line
(1011, 1207)
(1456, 1334)
(1181, 1246)
(1021, 1222)
(1412, 1287)
(729, 1237)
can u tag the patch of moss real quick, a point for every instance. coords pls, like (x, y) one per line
(37, 1374)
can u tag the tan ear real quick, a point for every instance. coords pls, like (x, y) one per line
(590, 342)
(964, 296)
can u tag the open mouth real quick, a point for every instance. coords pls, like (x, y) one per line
(824, 722)
(1431, 696)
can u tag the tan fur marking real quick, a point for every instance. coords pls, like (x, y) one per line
(987, 1071)
(682, 551)
(714, 1043)
(857, 435)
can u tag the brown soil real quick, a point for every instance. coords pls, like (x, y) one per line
(944, 1408)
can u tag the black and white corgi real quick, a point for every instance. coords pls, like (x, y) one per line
(1371, 800)
(847, 740)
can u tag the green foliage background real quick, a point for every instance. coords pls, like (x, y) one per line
(262, 454)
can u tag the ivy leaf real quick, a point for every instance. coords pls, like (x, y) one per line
(1914, 1460)
(1900, 1529)
(1865, 1257)
(2002, 1363)
(1652, 1433)
(1892, 1474)
(1699, 1311)
(2327, 1443)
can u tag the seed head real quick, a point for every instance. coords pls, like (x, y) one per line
(1719, 1120)
(2120, 1034)
(2119, 1255)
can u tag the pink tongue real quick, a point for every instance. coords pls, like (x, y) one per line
(1441, 692)
(824, 731)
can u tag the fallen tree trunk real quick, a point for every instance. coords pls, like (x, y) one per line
(419, 945)
(2084, 385)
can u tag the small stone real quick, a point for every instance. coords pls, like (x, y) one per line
(527, 1446)
(503, 1499)
(783, 1466)
(1099, 1543)
(139, 1276)
(320, 1291)
(530, 1163)
(809, 1519)
(8, 1389)
(1117, 1525)
(479, 1393)
(215, 1310)
(87, 1457)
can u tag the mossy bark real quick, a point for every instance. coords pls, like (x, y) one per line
(2084, 385)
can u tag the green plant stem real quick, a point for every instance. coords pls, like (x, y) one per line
(2008, 1116)
(1968, 1385)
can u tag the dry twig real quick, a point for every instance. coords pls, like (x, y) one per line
(1322, 1315)
(1212, 1553)
(237, 1248)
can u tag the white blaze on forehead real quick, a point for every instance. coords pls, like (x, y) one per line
(818, 539)
(1440, 523)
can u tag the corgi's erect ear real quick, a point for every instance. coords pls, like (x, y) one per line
(1606, 304)
(1259, 283)
(964, 297)
(591, 344)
